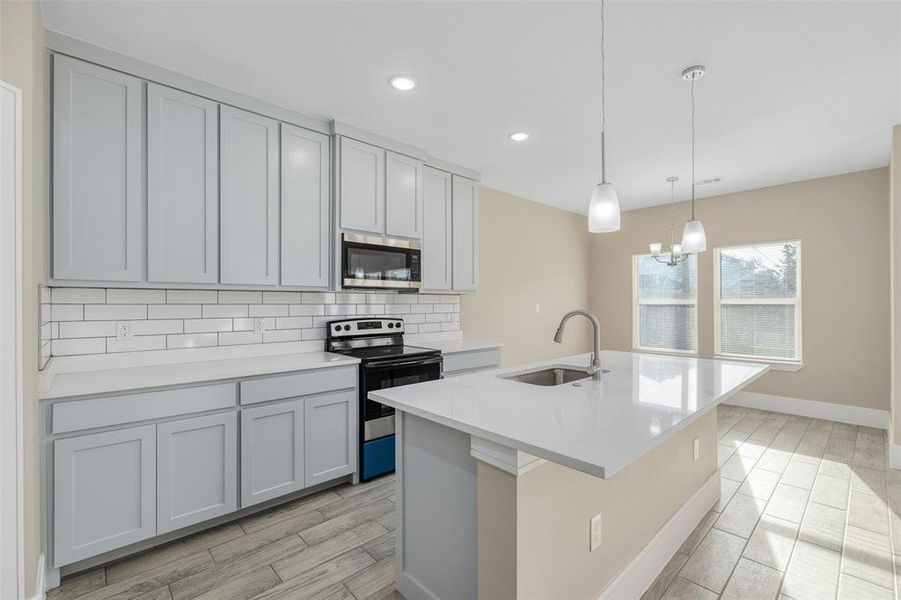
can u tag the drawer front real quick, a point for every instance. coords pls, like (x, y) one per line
(118, 410)
(298, 384)
(477, 359)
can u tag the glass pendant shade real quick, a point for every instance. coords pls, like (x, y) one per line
(694, 239)
(603, 210)
(655, 248)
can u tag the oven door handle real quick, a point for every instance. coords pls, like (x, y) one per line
(407, 363)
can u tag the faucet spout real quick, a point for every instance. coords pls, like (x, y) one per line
(595, 367)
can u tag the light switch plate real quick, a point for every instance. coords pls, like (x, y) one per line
(697, 448)
(595, 532)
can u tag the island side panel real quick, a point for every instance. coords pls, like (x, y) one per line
(497, 533)
(436, 478)
(555, 504)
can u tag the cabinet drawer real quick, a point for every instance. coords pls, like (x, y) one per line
(298, 384)
(117, 410)
(477, 359)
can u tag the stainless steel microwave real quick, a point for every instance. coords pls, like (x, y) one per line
(380, 263)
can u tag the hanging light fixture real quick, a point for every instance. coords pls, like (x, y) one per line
(603, 208)
(694, 239)
(676, 252)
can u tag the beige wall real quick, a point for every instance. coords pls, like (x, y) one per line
(895, 223)
(842, 222)
(530, 254)
(21, 64)
(553, 505)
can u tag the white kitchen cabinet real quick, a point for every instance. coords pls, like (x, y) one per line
(403, 196)
(197, 470)
(249, 198)
(272, 451)
(305, 210)
(361, 187)
(97, 173)
(104, 492)
(465, 234)
(329, 436)
(436, 230)
(182, 187)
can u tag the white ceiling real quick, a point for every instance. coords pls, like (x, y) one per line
(794, 90)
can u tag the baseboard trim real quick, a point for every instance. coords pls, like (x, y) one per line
(410, 588)
(40, 585)
(641, 572)
(843, 413)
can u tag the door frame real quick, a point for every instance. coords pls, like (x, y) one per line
(12, 549)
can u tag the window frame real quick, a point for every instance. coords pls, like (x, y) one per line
(636, 317)
(792, 364)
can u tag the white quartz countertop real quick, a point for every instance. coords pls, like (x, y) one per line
(188, 369)
(597, 427)
(457, 345)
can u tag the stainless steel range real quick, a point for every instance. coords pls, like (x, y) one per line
(385, 362)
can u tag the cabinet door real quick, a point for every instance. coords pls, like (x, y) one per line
(362, 186)
(104, 492)
(248, 206)
(97, 173)
(403, 196)
(330, 441)
(436, 230)
(465, 235)
(197, 470)
(305, 207)
(182, 187)
(272, 462)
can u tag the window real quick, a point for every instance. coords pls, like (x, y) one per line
(665, 308)
(758, 302)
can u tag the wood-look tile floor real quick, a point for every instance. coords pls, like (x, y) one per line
(809, 510)
(334, 545)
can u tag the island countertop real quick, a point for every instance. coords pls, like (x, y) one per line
(597, 427)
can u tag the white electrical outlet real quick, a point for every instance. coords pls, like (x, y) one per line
(123, 330)
(537, 309)
(261, 325)
(696, 445)
(595, 532)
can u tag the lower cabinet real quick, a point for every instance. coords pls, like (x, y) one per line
(329, 436)
(104, 492)
(272, 451)
(197, 470)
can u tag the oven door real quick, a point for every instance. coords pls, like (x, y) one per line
(378, 419)
(374, 262)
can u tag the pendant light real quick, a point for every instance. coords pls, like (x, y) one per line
(677, 253)
(603, 208)
(694, 239)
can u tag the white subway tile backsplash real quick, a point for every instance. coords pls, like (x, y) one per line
(157, 327)
(117, 296)
(192, 296)
(194, 340)
(86, 329)
(114, 312)
(173, 311)
(83, 320)
(232, 297)
(207, 325)
(218, 311)
(67, 312)
(78, 296)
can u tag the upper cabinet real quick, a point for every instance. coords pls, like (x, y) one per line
(182, 187)
(97, 173)
(305, 208)
(403, 196)
(249, 198)
(465, 234)
(436, 230)
(361, 186)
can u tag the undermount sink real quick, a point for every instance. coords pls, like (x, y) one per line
(551, 376)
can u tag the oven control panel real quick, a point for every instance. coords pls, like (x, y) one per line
(365, 326)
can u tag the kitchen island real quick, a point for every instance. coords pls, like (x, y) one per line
(509, 489)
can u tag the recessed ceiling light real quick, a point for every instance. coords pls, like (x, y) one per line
(402, 83)
(519, 136)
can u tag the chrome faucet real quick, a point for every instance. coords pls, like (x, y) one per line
(595, 367)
